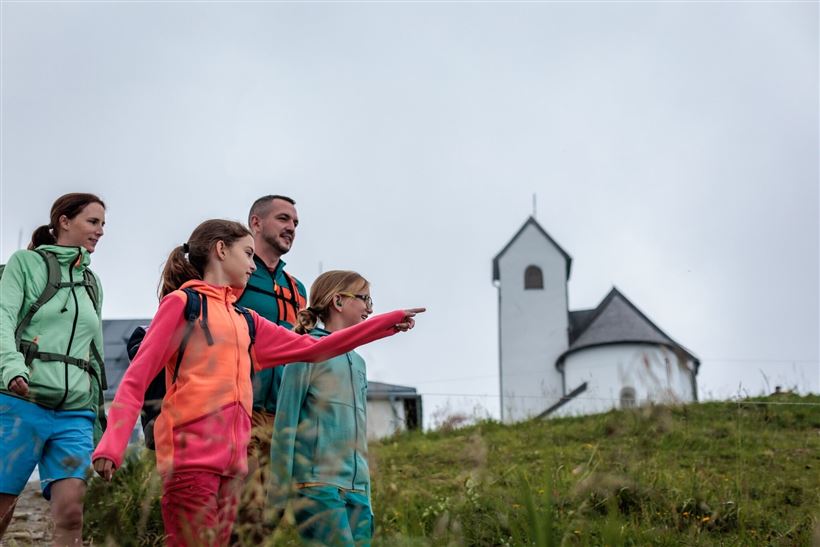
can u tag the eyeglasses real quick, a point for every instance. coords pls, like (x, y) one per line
(363, 297)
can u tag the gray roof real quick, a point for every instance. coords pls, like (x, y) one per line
(529, 221)
(115, 334)
(616, 320)
(579, 320)
(380, 390)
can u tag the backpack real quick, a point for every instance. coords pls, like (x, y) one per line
(30, 350)
(196, 308)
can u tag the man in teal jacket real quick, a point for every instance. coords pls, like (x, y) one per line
(278, 296)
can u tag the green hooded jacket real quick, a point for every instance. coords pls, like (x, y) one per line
(66, 324)
(320, 429)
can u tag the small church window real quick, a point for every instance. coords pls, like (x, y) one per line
(533, 278)
(628, 397)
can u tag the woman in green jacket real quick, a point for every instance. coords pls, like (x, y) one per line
(319, 449)
(51, 370)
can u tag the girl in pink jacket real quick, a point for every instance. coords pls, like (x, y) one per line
(202, 432)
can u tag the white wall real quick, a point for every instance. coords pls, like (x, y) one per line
(384, 418)
(533, 326)
(653, 371)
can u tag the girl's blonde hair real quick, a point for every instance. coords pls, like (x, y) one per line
(326, 286)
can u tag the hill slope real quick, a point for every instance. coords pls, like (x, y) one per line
(744, 473)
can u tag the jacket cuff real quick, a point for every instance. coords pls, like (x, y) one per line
(12, 371)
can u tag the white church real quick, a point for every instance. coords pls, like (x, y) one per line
(557, 362)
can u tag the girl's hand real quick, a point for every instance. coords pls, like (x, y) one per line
(408, 322)
(104, 468)
(19, 386)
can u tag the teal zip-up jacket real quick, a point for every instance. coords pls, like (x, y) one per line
(66, 324)
(320, 429)
(269, 294)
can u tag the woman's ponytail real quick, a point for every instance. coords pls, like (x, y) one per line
(42, 236)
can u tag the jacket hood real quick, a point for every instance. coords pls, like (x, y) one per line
(220, 292)
(67, 256)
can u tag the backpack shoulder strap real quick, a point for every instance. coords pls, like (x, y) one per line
(53, 278)
(195, 305)
(295, 284)
(90, 282)
(251, 332)
(249, 320)
(93, 289)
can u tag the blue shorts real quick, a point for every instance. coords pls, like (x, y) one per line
(59, 441)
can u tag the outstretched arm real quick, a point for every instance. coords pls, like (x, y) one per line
(277, 346)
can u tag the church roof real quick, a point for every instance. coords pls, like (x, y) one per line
(616, 320)
(528, 222)
(579, 320)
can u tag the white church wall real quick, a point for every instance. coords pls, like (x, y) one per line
(653, 372)
(533, 326)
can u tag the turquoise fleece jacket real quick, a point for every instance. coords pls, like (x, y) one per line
(66, 324)
(260, 296)
(320, 429)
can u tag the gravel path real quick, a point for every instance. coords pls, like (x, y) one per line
(31, 524)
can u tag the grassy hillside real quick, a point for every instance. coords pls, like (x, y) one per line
(708, 474)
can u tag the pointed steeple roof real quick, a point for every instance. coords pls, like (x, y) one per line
(528, 222)
(616, 320)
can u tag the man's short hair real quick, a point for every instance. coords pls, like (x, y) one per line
(261, 206)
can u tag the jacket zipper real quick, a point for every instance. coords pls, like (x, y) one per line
(355, 424)
(73, 294)
(229, 309)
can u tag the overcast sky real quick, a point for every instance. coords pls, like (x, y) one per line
(673, 149)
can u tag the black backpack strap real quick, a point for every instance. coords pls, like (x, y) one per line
(249, 320)
(53, 284)
(193, 306)
(100, 398)
(90, 282)
(204, 322)
(251, 331)
(95, 354)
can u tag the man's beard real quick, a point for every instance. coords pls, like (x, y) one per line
(274, 242)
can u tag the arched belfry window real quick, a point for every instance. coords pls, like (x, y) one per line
(533, 278)
(628, 397)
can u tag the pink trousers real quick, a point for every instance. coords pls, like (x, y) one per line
(199, 508)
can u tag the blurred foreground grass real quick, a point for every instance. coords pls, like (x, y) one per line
(733, 473)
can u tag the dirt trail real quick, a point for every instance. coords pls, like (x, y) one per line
(31, 524)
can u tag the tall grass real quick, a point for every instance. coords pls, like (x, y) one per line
(706, 474)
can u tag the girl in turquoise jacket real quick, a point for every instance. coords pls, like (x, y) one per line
(51, 370)
(319, 449)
